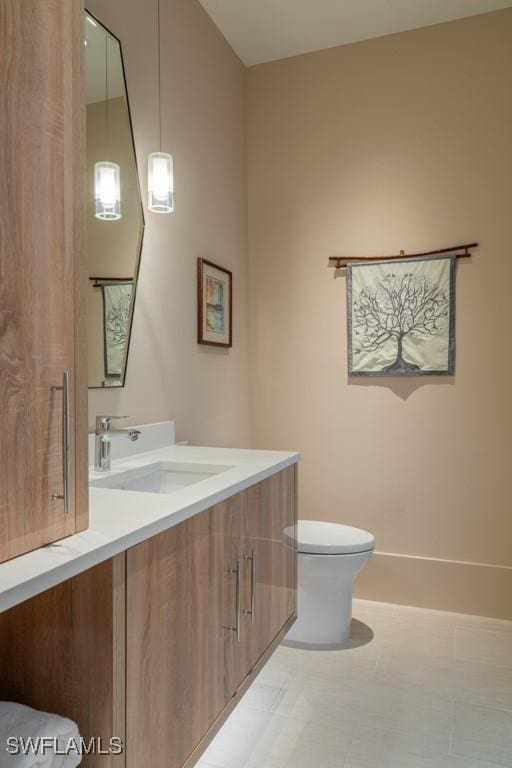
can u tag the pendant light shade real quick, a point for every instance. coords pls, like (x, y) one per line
(107, 191)
(160, 182)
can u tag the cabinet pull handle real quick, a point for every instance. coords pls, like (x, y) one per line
(252, 611)
(236, 572)
(66, 444)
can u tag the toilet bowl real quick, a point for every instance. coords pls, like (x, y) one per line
(329, 558)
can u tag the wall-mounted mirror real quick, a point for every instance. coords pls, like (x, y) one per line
(115, 219)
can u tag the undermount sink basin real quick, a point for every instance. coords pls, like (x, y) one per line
(162, 477)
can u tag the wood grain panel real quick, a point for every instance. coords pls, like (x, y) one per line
(168, 648)
(269, 510)
(183, 665)
(63, 652)
(226, 665)
(41, 231)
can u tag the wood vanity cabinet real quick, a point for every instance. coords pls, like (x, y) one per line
(207, 601)
(42, 275)
(156, 645)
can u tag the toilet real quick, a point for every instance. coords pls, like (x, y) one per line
(329, 558)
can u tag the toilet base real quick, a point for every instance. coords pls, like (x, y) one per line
(324, 598)
(322, 621)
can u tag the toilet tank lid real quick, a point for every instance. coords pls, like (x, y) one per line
(315, 537)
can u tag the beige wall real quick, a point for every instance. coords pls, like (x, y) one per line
(401, 142)
(203, 113)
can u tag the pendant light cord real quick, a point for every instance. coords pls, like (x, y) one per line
(159, 78)
(107, 131)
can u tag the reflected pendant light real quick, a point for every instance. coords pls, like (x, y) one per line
(107, 175)
(107, 191)
(160, 164)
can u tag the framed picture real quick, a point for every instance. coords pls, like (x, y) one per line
(117, 309)
(215, 305)
(401, 317)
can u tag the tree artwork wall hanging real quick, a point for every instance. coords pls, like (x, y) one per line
(401, 314)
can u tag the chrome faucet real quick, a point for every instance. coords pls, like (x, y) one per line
(104, 432)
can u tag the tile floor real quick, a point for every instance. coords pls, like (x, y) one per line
(412, 689)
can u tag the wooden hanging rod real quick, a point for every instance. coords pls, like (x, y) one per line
(98, 281)
(342, 261)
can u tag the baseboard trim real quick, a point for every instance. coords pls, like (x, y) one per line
(446, 585)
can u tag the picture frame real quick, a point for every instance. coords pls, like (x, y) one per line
(117, 314)
(214, 304)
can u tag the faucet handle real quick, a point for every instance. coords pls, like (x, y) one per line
(103, 422)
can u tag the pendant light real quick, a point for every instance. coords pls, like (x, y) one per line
(160, 164)
(107, 175)
(107, 187)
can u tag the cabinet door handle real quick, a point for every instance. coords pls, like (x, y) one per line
(236, 572)
(252, 610)
(66, 444)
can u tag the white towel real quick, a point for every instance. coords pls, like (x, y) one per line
(23, 728)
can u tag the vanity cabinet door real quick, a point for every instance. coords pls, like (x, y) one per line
(41, 273)
(226, 583)
(269, 557)
(182, 663)
(168, 649)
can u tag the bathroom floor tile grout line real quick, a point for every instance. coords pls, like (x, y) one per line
(452, 708)
(477, 703)
(376, 666)
(347, 754)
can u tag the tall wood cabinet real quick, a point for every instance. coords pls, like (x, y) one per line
(43, 386)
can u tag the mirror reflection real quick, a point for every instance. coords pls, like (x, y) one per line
(115, 220)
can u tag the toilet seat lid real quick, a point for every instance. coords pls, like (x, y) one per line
(315, 537)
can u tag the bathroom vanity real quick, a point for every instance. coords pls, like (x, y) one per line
(154, 622)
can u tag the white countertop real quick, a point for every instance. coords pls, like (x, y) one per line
(120, 519)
